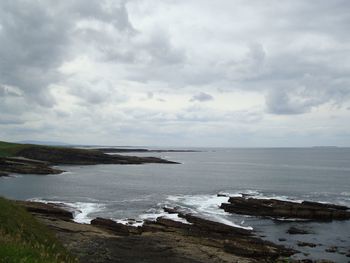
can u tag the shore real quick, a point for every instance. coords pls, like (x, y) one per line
(37, 159)
(156, 241)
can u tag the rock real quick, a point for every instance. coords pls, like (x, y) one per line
(216, 227)
(74, 156)
(297, 231)
(25, 166)
(50, 210)
(277, 208)
(332, 249)
(282, 239)
(306, 244)
(115, 227)
(172, 210)
(172, 223)
(222, 195)
(325, 205)
(2, 174)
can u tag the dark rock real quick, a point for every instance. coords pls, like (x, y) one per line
(25, 166)
(222, 195)
(211, 226)
(285, 209)
(306, 244)
(2, 174)
(323, 205)
(172, 223)
(51, 210)
(282, 239)
(332, 249)
(305, 261)
(115, 227)
(297, 231)
(172, 210)
(74, 156)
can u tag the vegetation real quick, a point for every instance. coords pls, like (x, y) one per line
(8, 149)
(24, 239)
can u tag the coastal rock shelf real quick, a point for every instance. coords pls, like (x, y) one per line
(199, 241)
(36, 159)
(286, 209)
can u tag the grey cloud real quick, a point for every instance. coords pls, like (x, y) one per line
(36, 38)
(202, 97)
(278, 101)
(9, 92)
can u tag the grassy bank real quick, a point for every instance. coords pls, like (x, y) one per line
(8, 149)
(24, 239)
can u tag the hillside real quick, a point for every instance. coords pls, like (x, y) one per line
(24, 239)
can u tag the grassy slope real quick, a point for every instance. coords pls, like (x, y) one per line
(24, 239)
(8, 149)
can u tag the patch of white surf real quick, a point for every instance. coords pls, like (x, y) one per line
(153, 214)
(82, 211)
(259, 195)
(206, 206)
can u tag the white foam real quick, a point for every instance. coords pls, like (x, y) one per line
(153, 217)
(128, 222)
(81, 210)
(258, 195)
(207, 206)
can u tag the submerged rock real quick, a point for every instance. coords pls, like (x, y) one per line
(297, 231)
(306, 244)
(285, 209)
(2, 174)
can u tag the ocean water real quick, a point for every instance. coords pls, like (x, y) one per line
(122, 192)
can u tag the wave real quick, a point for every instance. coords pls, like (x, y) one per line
(81, 210)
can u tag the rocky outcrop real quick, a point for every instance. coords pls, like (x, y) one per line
(284, 209)
(297, 231)
(49, 210)
(201, 241)
(25, 166)
(115, 227)
(74, 156)
(2, 174)
(38, 159)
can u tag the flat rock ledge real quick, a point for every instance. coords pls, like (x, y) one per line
(199, 240)
(286, 209)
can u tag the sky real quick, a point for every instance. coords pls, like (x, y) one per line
(225, 73)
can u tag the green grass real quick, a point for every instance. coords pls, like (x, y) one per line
(8, 149)
(24, 240)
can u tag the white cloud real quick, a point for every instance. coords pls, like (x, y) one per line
(130, 71)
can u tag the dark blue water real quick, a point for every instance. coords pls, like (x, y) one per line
(139, 191)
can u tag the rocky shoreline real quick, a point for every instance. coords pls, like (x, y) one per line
(177, 236)
(39, 159)
(199, 240)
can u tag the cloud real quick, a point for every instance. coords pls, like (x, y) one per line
(202, 97)
(106, 65)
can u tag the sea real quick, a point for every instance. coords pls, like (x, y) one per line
(139, 192)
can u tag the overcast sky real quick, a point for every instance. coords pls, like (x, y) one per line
(176, 72)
